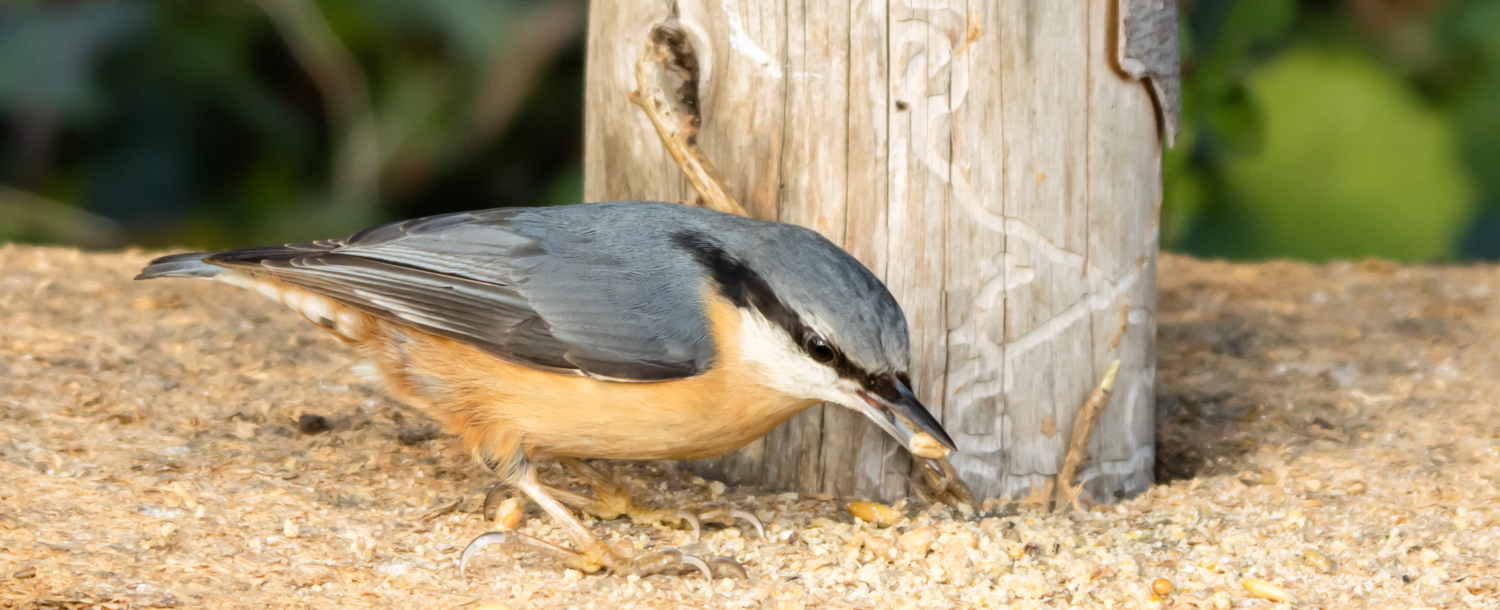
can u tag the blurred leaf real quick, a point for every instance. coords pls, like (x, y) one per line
(1249, 32)
(1187, 193)
(467, 29)
(1251, 21)
(1239, 122)
(1225, 42)
(566, 189)
(1476, 25)
(210, 123)
(25, 216)
(1472, 38)
(307, 219)
(211, 59)
(1479, 116)
(48, 52)
(1353, 166)
(477, 27)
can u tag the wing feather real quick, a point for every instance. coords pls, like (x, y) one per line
(545, 299)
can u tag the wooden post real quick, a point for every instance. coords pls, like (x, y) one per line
(989, 160)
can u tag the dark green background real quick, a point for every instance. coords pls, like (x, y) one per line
(1313, 130)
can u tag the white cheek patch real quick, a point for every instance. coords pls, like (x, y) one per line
(784, 366)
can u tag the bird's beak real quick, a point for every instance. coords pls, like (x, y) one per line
(897, 411)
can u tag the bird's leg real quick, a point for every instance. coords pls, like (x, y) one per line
(613, 502)
(589, 553)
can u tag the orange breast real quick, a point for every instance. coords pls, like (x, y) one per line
(498, 407)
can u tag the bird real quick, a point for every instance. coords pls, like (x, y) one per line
(626, 330)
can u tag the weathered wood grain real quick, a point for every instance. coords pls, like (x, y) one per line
(1147, 47)
(812, 158)
(1124, 204)
(858, 458)
(623, 158)
(986, 158)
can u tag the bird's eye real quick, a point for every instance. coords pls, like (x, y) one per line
(818, 348)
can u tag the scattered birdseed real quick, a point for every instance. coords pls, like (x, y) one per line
(875, 512)
(121, 402)
(1266, 590)
(924, 445)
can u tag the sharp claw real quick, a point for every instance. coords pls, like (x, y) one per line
(693, 519)
(482, 541)
(736, 567)
(695, 561)
(746, 515)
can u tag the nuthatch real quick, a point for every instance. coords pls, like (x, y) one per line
(623, 330)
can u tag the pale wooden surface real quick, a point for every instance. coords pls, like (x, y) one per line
(988, 160)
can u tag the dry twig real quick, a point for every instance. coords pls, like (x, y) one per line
(677, 121)
(1078, 447)
(1039, 497)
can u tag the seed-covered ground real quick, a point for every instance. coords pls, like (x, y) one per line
(1330, 433)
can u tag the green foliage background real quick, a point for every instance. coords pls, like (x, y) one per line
(1322, 130)
(1313, 129)
(230, 122)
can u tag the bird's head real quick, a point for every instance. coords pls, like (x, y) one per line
(818, 324)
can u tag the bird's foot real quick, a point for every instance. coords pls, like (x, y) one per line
(620, 559)
(669, 559)
(612, 501)
(696, 515)
(493, 499)
(515, 542)
(943, 483)
(589, 554)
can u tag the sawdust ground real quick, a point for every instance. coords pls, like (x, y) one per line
(1328, 429)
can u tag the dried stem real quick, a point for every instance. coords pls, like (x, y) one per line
(1083, 430)
(678, 126)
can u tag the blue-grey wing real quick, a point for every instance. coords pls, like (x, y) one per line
(517, 284)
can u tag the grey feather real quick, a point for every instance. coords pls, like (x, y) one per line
(603, 289)
(180, 265)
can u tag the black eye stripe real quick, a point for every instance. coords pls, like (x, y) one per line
(739, 283)
(747, 290)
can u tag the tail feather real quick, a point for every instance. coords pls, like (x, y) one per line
(181, 265)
